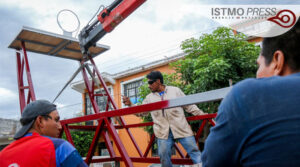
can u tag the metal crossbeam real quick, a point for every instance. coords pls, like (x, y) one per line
(182, 101)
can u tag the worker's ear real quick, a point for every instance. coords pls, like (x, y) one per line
(278, 62)
(39, 122)
(158, 81)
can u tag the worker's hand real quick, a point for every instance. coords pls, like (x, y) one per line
(126, 101)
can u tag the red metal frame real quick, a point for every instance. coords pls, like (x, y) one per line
(20, 74)
(145, 159)
(105, 127)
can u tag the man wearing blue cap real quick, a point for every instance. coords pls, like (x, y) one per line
(36, 143)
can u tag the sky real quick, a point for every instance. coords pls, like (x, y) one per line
(154, 31)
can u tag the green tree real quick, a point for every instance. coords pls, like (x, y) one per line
(82, 141)
(210, 62)
(214, 59)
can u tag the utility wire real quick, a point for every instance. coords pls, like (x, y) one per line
(70, 105)
(133, 62)
(141, 57)
(180, 39)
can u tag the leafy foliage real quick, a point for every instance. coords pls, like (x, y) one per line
(210, 62)
(214, 59)
(82, 141)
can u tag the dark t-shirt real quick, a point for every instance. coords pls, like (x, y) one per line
(258, 124)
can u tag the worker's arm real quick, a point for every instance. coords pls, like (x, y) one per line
(127, 102)
(193, 109)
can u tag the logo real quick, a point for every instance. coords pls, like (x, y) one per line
(242, 12)
(13, 165)
(284, 18)
(254, 20)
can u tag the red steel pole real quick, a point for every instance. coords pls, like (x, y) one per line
(122, 150)
(94, 142)
(29, 80)
(20, 81)
(115, 106)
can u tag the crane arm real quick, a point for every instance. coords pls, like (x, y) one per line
(106, 21)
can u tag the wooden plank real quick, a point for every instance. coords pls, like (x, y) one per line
(28, 35)
(73, 55)
(43, 42)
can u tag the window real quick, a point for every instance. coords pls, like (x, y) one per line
(131, 90)
(103, 151)
(100, 100)
(259, 44)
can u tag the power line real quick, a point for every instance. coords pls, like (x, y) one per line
(69, 105)
(145, 54)
(179, 39)
(136, 63)
(141, 58)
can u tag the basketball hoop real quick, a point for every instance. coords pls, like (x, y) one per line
(66, 19)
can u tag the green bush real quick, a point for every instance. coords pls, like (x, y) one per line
(82, 141)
